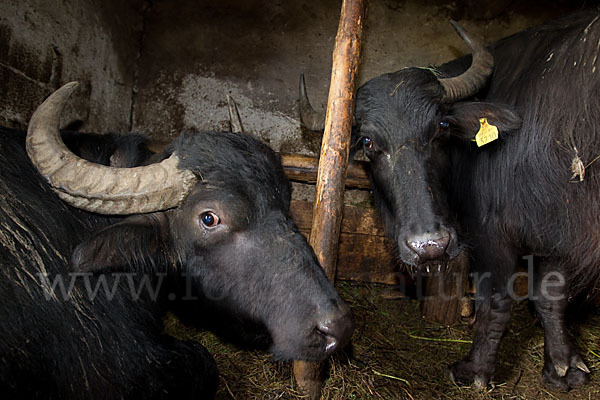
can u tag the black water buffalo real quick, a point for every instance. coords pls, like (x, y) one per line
(535, 191)
(208, 237)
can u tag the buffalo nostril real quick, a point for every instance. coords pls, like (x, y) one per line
(337, 331)
(429, 246)
(330, 340)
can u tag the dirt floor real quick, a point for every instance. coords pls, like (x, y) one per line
(395, 354)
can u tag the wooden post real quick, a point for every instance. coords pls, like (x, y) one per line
(333, 163)
(444, 292)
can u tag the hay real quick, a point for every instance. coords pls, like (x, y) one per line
(396, 354)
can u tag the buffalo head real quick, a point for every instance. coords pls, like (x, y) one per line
(406, 123)
(210, 214)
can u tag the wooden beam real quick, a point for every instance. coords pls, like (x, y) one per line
(333, 163)
(304, 169)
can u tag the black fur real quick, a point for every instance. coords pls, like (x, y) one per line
(511, 198)
(253, 278)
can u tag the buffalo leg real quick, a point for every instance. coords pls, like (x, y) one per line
(478, 367)
(563, 366)
(492, 316)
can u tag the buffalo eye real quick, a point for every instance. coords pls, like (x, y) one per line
(367, 143)
(209, 219)
(444, 125)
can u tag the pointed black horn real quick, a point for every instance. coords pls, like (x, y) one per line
(310, 118)
(234, 116)
(474, 78)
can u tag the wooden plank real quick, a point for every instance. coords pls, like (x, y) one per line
(304, 169)
(358, 220)
(367, 258)
(442, 302)
(364, 253)
(301, 168)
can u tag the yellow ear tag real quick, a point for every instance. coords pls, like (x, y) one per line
(487, 133)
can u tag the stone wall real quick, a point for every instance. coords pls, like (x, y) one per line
(163, 66)
(44, 44)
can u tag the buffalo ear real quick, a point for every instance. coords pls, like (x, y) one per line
(136, 244)
(464, 119)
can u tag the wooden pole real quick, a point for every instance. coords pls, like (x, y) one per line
(333, 163)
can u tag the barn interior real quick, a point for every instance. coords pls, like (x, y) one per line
(162, 67)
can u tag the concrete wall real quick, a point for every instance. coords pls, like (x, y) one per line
(45, 43)
(163, 66)
(195, 52)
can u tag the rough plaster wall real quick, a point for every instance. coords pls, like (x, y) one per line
(196, 52)
(45, 43)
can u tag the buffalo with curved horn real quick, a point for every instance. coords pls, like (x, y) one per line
(498, 157)
(208, 237)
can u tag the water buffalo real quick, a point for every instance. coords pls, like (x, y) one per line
(531, 192)
(208, 236)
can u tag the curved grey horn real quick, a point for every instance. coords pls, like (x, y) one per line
(474, 78)
(310, 118)
(234, 116)
(94, 187)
